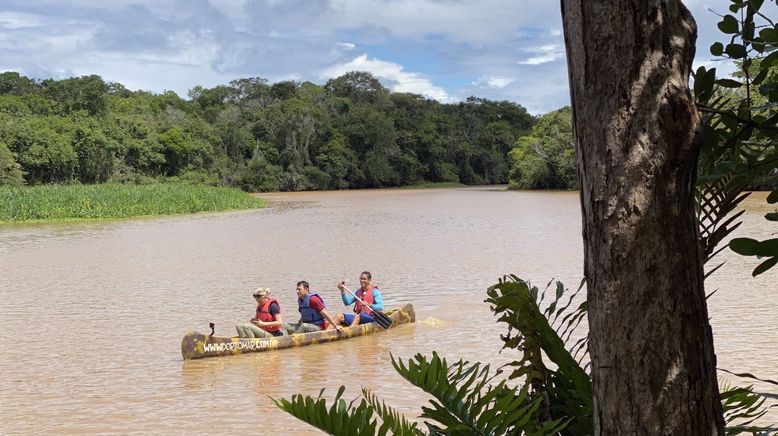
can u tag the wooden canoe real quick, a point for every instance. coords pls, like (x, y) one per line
(196, 345)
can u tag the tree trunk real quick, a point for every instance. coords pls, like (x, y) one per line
(637, 140)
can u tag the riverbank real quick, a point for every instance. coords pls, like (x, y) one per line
(77, 202)
(433, 185)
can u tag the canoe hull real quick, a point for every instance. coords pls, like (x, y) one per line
(196, 345)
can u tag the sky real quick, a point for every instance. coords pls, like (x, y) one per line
(443, 49)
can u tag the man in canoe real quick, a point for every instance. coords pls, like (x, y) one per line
(367, 292)
(313, 312)
(267, 322)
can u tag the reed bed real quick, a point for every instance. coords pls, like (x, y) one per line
(57, 202)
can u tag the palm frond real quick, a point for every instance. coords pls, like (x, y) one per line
(467, 402)
(339, 419)
(393, 421)
(567, 390)
(742, 407)
(717, 200)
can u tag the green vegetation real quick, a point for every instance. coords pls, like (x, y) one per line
(554, 392)
(349, 133)
(110, 200)
(545, 159)
(740, 124)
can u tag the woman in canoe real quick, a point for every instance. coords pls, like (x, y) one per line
(367, 292)
(267, 322)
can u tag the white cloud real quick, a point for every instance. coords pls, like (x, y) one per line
(473, 22)
(347, 46)
(12, 20)
(403, 81)
(176, 44)
(545, 54)
(494, 82)
(541, 59)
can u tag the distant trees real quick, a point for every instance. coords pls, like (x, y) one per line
(352, 132)
(545, 159)
(10, 171)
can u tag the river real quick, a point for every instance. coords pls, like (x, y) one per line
(93, 312)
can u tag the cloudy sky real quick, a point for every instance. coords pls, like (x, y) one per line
(443, 49)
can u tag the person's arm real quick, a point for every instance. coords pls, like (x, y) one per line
(279, 321)
(329, 319)
(378, 301)
(347, 298)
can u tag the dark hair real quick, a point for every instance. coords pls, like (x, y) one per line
(304, 283)
(367, 273)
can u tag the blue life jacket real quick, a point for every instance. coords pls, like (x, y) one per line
(307, 314)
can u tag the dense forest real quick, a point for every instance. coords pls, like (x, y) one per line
(352, 132)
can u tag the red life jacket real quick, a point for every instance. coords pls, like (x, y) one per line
(263, 314)
(367, 298)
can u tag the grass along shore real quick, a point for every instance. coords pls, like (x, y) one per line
(73, 202)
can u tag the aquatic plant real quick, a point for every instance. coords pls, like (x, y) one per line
(58, 202)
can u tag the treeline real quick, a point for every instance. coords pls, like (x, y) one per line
(351, 132)
(545, 159)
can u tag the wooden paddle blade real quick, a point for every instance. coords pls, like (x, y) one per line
(382, 320)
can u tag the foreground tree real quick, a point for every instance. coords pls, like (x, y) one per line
(637, 130)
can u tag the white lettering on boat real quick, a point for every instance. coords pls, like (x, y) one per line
(253, 345)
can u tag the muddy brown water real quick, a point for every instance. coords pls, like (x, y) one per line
(93, 312)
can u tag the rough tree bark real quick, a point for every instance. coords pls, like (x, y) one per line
(637, 139)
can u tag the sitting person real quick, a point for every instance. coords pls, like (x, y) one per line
(369, 293)
(313, 312)
(267, 322)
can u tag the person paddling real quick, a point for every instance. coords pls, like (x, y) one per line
(367, 292)
(267, 322)
(313, 312)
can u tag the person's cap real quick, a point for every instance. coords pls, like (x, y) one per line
(261, 292)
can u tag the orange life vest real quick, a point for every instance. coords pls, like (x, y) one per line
(263, 314)
(368, 298)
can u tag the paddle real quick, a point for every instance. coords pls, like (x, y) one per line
(379, 318)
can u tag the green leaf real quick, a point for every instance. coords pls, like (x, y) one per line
(759, 77)
(729, 83)
(703, 84)
(773, 197)
(729, 24)
(767, 88)
(768, 247)
(744, 246)
(770, 35)
(717, 49)
(736, 51)
(764, 266)
(754, 6)
(770, 61)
